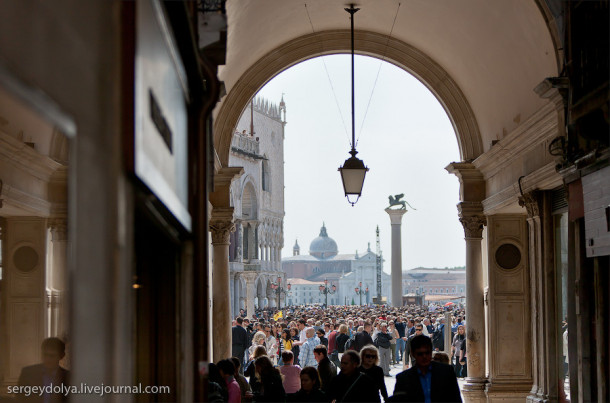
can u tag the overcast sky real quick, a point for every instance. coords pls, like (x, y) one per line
(406, 140)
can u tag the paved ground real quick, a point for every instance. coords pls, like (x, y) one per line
(390, 381)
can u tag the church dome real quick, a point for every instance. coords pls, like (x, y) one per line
(323, 247)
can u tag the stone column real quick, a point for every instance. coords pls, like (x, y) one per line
(221, 226)
(250, 282)
(396, 222)
(546, 346)
(232, 293)
(236, 293)
(473, 220)
(59, 312)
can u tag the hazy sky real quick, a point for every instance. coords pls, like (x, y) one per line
(406, 141)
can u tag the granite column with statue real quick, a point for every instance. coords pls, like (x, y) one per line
(396, 222)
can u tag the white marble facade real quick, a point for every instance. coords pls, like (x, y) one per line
(258, 199)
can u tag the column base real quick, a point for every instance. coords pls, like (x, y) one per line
(514, 391)
(473, 390)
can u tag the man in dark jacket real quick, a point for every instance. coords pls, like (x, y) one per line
(49, 373)
(363, 338)
(326, 369)
(351, 385)
(439, 336)
(239, 341)
(440, 378)
(418, 331)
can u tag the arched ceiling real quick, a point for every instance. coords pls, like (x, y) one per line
(496, 52)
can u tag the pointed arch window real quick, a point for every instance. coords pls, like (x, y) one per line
(266, 175)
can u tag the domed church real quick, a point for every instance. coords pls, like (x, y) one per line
(324, 262)
(323, 247)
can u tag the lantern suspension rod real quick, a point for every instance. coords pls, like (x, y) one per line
(353, 11)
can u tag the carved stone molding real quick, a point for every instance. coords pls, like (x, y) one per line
(473, 225)
(59, 229)
(532, 202)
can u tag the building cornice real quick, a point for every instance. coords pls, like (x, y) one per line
(538, 129)
(542, 178)
(28, 202)
(27, 159)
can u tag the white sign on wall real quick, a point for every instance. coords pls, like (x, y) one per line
(161, 96)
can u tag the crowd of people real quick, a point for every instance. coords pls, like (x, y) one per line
(343, 354)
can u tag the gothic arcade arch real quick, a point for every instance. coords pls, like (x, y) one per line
(394, 51)
(249, 201)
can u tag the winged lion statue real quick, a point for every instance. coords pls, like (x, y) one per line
(395, 201)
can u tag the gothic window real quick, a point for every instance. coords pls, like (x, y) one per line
(266, 175)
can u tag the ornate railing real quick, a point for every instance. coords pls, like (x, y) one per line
(246, 145)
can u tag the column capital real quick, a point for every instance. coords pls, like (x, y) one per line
(473, 226)
(395, 215)
(249, 276)
(59, 229)
(532, 201)
(472, 219)
(221, 225)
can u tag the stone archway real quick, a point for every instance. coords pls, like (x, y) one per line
(394, 51)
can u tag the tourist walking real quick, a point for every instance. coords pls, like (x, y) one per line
(383, 342)
(310, 388)
(326, 369)
(290, 372)
(239, 338)
(393, 343)
(306, 357)
(456, 347)
(227, 371)
(270, 378)
(369, 365)
(410, 358)
(351, 385)
(427, 381)
(363, 337)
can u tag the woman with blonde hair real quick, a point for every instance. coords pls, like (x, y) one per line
(369, 358)
(341, 339)
(257, 340)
